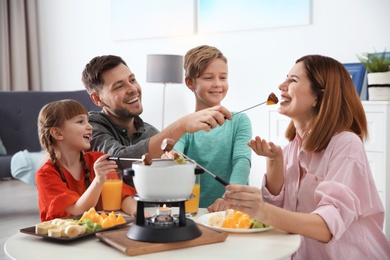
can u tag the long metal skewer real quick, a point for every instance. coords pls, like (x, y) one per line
(249, 108)
(219, 179)
(113, 158)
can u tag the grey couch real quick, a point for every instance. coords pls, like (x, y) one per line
(18, 120)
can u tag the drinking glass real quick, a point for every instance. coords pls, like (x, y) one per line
(112, 191)
(192, 205)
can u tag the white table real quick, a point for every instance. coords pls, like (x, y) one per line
(272, 244)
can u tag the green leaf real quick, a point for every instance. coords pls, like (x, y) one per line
(375, 62)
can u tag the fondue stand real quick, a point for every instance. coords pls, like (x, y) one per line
(163, 227)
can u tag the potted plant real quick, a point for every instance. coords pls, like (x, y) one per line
(378, 74)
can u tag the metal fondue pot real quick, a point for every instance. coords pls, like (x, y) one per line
(163, 179)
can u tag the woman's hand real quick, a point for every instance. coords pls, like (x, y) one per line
(218, 205)
(264, 148)
(246, 199)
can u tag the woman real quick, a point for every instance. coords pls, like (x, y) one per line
(320, 185)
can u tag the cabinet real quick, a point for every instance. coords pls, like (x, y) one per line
(377, 146)
(378, 151)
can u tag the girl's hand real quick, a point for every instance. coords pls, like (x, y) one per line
(263, 148)
(246, 199)
(102, 166)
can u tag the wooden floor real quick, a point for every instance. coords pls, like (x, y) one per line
(18, 209)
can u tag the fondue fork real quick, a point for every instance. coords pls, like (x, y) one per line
(113, 158)
(219, 179)
(249, 108)
(272, 100)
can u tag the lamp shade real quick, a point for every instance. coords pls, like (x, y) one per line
(164, 68)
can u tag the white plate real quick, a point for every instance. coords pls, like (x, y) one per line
(204, 219)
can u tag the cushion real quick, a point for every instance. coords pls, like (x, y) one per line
(24, 165)
(3, 151)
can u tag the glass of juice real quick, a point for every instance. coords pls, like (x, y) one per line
(192, 205)
(112, 191)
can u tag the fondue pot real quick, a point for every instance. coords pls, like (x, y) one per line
(163, 180)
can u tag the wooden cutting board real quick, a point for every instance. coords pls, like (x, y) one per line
(119, 240)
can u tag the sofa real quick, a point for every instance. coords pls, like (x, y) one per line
(18, 120)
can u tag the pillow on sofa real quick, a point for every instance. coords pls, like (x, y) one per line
(3, 151)
(24, 165)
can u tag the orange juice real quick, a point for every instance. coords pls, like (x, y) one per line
(192, 205)
(112, 194)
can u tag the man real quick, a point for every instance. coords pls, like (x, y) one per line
(118, 129)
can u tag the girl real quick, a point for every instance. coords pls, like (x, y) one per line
(71, 181)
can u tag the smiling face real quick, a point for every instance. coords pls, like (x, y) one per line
(297, 97)
(120, 95)
(211, 87)
(76, 133)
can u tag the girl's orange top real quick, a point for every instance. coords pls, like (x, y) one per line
(54, 195)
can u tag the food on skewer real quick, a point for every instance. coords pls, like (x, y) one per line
(272, 99)
(147, 159)
(167, 144)
(178, 158)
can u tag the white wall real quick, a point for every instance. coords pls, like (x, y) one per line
(74, 31)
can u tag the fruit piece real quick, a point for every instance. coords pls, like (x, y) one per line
(120, 219)
(72, 231)
(61, 222)
(167, 144)
(229, 213)
(88, 224)
(55, 221)
(178, 158)
(112, 215)
(216, 220)
(257, 224)
(236, 216)
(62, 228)
(42, 228)
(84, 216)
(229, 223)
(108, 222)
(147, 159)
(82, 229)
(96, 227)
(54, 232)
(244, 221)
(103, 215)
(96, 218)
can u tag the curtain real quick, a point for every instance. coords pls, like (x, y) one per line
(19, 50)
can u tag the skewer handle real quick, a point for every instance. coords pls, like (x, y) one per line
(222, 181)
(113, 158)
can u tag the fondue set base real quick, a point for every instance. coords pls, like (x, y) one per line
(163, 228)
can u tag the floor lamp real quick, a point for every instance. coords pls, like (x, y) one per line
(164, 69)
